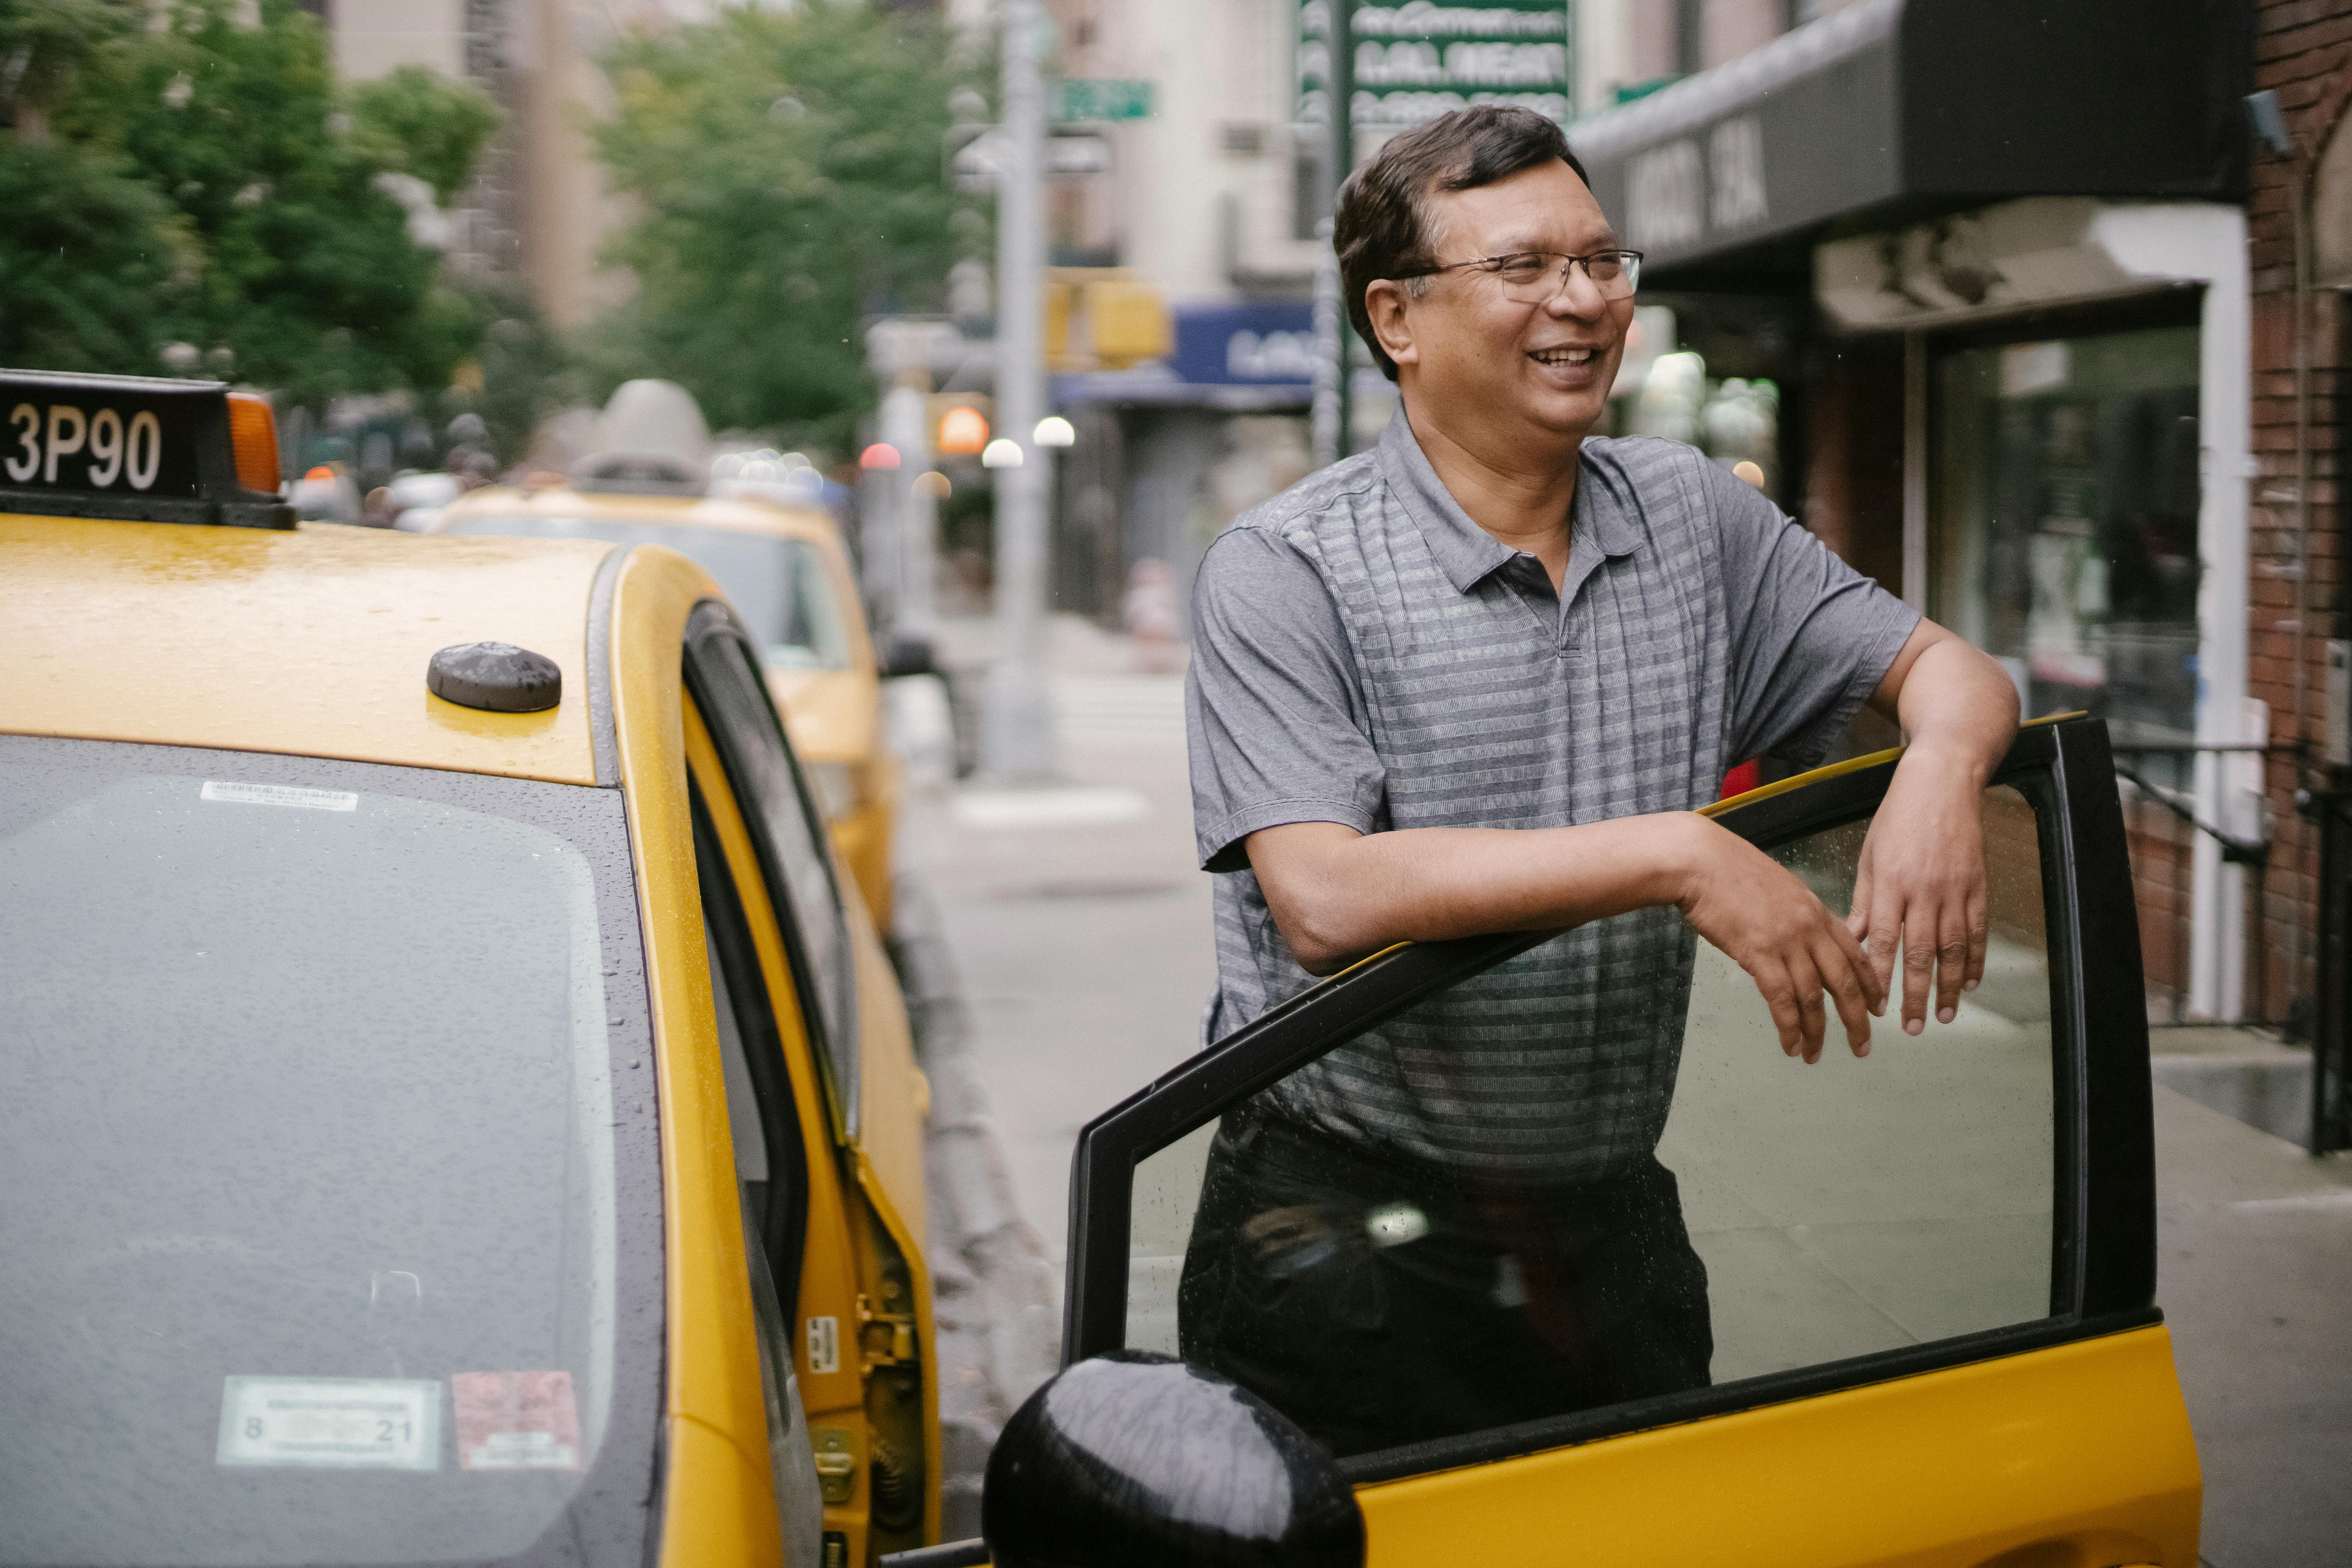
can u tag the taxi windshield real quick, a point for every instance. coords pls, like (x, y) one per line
(778, 585)
(326, 1166)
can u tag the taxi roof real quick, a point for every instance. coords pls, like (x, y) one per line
(736, 514)
(312, 641)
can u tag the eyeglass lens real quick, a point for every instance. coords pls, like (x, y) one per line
(1535, 276)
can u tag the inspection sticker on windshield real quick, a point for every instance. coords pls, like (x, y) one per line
(332, 1422)
(282, 794)
(515, 1420)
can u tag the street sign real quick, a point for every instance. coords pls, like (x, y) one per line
(1255, 343)
(1418, 60)
(1101, 97)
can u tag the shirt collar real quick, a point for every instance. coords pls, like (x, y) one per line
(1466, 552)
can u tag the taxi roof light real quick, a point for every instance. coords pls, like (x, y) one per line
(253, 435)
(137, 448)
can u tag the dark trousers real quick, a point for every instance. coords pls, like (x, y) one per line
(1377, 1303)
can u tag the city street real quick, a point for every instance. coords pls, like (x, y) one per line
(1080, 930)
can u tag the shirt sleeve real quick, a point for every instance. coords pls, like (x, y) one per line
(1810, 637)
(1273, 713)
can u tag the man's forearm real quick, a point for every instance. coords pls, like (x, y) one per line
(1337, 895)
(1957, 710)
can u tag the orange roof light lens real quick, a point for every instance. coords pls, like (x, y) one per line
(253, 434)
(320, 472)
(963, 431)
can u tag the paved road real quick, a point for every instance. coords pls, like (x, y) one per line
(1080, 928)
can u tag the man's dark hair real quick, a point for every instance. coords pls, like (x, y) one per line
(1382, 225)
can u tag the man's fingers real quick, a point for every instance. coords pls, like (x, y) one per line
(1780, 997)
(1849, 946)
(1918, 967)
(1847, 972)
(1806, 977)
(1952, 954)
(1979, 938)
(1886, 936)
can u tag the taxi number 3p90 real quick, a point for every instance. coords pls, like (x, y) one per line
(111, 446)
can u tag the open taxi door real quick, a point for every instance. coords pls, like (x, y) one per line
(1929, 1274)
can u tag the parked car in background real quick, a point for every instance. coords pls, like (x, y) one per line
(786, 572)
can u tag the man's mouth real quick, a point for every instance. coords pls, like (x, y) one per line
(1564, 355)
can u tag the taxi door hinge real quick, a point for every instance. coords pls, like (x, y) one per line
(885, 1339)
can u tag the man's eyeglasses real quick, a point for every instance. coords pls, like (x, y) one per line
(1533, 277)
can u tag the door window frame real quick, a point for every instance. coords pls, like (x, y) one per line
(783, 1227)
(832, 1031)
(2102, 1263)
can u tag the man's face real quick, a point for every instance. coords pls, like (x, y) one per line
(1549, 364)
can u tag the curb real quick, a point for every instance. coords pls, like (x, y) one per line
(996, 1296)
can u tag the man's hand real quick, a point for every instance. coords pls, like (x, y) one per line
(1921, 884)
(1921, 880)
(1772, 926)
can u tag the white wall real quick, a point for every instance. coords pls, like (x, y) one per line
(372, 38)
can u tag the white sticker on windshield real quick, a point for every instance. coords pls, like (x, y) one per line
(282, 794)
(331, 1423)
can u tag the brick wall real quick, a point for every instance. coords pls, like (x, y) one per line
(2302, 50)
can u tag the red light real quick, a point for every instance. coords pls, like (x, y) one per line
(320, 472)
(881, 455)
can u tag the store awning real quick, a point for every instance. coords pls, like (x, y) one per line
(1894, 111)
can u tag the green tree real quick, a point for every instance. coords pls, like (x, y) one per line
(198, 175)
(89, 255)
(309, 278)
(788, 163)
(419, 123)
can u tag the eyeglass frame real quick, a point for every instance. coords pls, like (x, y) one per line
(1574, 262)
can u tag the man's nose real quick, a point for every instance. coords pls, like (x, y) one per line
(1579, 298)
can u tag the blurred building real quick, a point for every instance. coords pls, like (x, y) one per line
(2000, 297)
(538, 211)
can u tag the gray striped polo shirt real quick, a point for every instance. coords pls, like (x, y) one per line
(1365, 654)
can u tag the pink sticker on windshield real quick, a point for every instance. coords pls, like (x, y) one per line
(515, 1421)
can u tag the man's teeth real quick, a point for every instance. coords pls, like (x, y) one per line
(1563, 356)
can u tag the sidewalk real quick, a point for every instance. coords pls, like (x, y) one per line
(1079, 927)
(2254, 1275)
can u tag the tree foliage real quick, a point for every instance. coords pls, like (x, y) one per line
(199, 175)
(788, 164)
(419, 123)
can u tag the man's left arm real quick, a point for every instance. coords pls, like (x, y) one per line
(1921, 880)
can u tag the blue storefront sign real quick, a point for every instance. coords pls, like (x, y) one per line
(1244, 345)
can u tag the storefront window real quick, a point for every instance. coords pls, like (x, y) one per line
(2065, 522)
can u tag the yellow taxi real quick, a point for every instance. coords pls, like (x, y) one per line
(784, 567)
(456, 1109)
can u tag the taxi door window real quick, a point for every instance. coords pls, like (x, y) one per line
(770, 1161)
(1395, 1257)
(788, 832)
(771, 1174)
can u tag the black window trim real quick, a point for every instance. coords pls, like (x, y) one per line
(712, 621)
(783, 1226)
(2103, 1277)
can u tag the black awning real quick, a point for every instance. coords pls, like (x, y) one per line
(1892, 111)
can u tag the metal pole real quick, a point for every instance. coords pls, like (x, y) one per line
(1334, 408)
(1016, 738)
(914, 564)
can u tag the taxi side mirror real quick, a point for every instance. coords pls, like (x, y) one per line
(1139, 1459)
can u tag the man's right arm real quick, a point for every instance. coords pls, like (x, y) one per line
(1338, 894)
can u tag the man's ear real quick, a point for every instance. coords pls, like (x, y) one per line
(1385, 302)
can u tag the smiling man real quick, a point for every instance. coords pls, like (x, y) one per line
(1476, 680)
